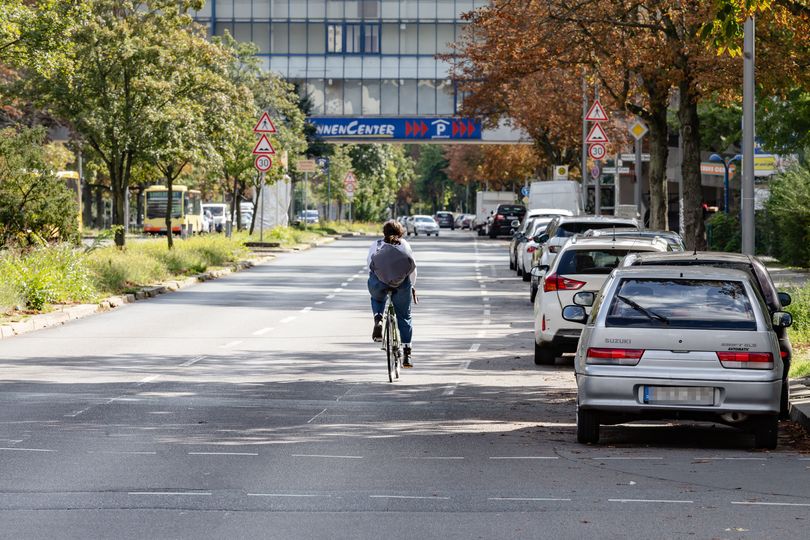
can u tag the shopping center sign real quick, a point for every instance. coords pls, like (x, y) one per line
(397, 129)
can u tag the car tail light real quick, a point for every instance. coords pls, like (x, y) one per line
(554, 249)
(745, 360)
(531, 249)
(498, 217)
(559, 283)
(614, 357)
(783, 354)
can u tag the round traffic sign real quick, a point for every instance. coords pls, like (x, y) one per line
(595, 172)
(263, 163)
(597, 151)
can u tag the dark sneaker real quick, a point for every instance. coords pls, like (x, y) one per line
(406, 357)
(376, 334)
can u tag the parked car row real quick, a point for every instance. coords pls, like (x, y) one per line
(657, 333)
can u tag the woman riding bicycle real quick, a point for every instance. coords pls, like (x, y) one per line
(392, 268)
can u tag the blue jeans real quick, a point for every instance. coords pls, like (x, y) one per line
(400, 297)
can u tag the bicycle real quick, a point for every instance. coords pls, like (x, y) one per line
(391, 343)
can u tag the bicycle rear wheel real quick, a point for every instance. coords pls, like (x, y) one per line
(389, 349)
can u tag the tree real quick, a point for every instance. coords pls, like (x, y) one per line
(35, 205)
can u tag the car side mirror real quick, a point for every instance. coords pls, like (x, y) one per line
(539, 270)
(515, 223)
(782, 319)
(541, 238)
(784, 299)
(584, 299)
(575, 314)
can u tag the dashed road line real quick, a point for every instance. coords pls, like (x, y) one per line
(26, 450)
(344, 284)
(532, 499)
(183, 493)
(487, 313)
(263, 331)
(607, 458)
(288, 319)
(223, 453)
(191, 362)
(122, 453)
(150, 378)
(326, 456)
(330, 296)
(319, 302)
(437, 458)
(731, 458)
(338, 290)
(431, 497)
(523, 457)
(663, 501)
(763, 503)
(474, 347)
(230, 344)
(306, 309)
(296, 495)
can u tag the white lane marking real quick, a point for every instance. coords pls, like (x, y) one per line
(732, 458)
(486, 321)
(483, 286)
(121, 452)
(344, 284)
(223, 453)
(481, 334)
(306, 309)
(330, 296)
(316, 416)
(284, 495)
(474, 347)
(11, 441)
(486, 299)
(191, 362)
(524, 457)
(230, 344)
(408, 497)
(263, 331)
(319, 302)
(287, 320)
(150, 378)
(168, 493)
(667, 501)
(330, 456)
(752, 503)
(527, 499)
(26, 450)
(487, 313)
(435, 457)
(338, 290)
(351, 279)
(623, 457)
(487, 306)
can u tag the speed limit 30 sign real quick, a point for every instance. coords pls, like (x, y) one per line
(263, 163)
(597, 151)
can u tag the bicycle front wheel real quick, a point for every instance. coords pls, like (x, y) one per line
(389, 349)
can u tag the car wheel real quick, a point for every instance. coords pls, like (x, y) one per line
(492, 235)
(766, 432)
(587, 427)
(533, 294)
(544, 355)
(480, 232)
(512, 265)
(526, 275)
(784, 402)
(518, 270)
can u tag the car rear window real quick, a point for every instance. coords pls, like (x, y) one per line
(216, 210)
(511, 209)
(590, 261)
(681, 303)
(570, 229)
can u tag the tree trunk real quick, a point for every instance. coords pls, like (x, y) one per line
(694, 227)
(659, 150)
(98, 223)
(87, 205)
(169, 205)
(259, 195)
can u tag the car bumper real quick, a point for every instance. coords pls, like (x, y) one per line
(564, 339)
(625, 395)
(426, 231)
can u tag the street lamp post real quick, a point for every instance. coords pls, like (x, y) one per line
(323, 163)
(717, 158)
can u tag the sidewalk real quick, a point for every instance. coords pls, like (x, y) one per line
(785, 277)
(800, 401)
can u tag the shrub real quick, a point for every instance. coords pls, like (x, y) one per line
(115, 271)
(724, 232)
(800, 309)
(789, 208)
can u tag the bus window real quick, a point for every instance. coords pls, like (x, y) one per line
(156, 204)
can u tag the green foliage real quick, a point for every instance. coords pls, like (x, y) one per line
(433, 184)
(789, 208)
(47, 276)
(381, 170)
(784, 123)
(724, 232)
(719, 125)
(35, 206)
(800, 309)
(116, 270)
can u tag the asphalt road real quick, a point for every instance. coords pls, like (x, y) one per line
(256, 406)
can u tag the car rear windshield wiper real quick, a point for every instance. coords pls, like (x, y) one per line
(648, 313)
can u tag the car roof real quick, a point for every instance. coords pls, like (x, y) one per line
(685, 272)
(549, 212)
(585, 242)
(596, 219)
(704, 256)
(630, 231)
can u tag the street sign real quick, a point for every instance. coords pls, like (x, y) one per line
(595, 173)
(612, 170)
(306, 165)
(597, 135)
(350, 181)
(716, 169)
(263, 146)
(597, 151)
(561, 172)
(524, 191)
(638, 129)
(632, 157)
(263, 163)
(596, 113)
(264, 125)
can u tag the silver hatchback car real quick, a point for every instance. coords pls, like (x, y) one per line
(678, 343)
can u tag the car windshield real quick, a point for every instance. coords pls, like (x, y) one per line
(511, 209)
(424, 220)
(590, 261)
(703, 304)
(570, 229)
(215, 210)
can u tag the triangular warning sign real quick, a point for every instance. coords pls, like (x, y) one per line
(263, 146)
(597, 135)
(264, 125)
(596, 113)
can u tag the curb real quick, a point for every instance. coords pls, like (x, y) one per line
(79, 311)
(800, 402)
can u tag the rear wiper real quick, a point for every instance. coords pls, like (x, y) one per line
(646, 312)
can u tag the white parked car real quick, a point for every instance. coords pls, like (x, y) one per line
(528, 246)
(583, 265)
(422, 225)
(220, 214)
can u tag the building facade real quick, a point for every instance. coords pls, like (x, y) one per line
(353, 58)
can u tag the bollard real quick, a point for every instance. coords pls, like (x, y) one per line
(183, 231)
(228, 227)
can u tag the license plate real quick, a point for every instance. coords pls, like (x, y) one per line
(678, 395)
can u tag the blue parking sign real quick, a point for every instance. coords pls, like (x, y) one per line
(524, 191)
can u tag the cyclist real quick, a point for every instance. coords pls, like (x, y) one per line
(392, 268)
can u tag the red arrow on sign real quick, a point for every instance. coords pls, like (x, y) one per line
(597, 135)
(264, 146)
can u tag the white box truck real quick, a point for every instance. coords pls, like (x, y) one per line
(486, 202)
(564, 194)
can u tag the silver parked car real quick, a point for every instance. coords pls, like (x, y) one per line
(678, 342)
(422, 225)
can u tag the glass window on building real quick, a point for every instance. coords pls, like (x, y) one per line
(261, 37)
(316, 38)
(427, 38)
(334, 96)
(370, 9)
(427, 97)
(409, 9)
(353, 38)
(351, 9)
(280, 9)
(242, 32)
(242, 9)
(407, 97)
(298, 10)
(390, 9)
(314, 92)
(279, 34)
(316, 9)
(261, 10)
(298, 38)
(408, 38)
(334, 38)
(334, 9)
(371, 97)
(371, 38)
(463, 6)
(352, 96)
(224, 9)
(278, 64)
(446, 9)
(389, 39)
(389, 97)
(445, 36)
(444, 97)
(203, 13)
(223, 27)
(427, 9)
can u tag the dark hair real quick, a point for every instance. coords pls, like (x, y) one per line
(393, 231)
